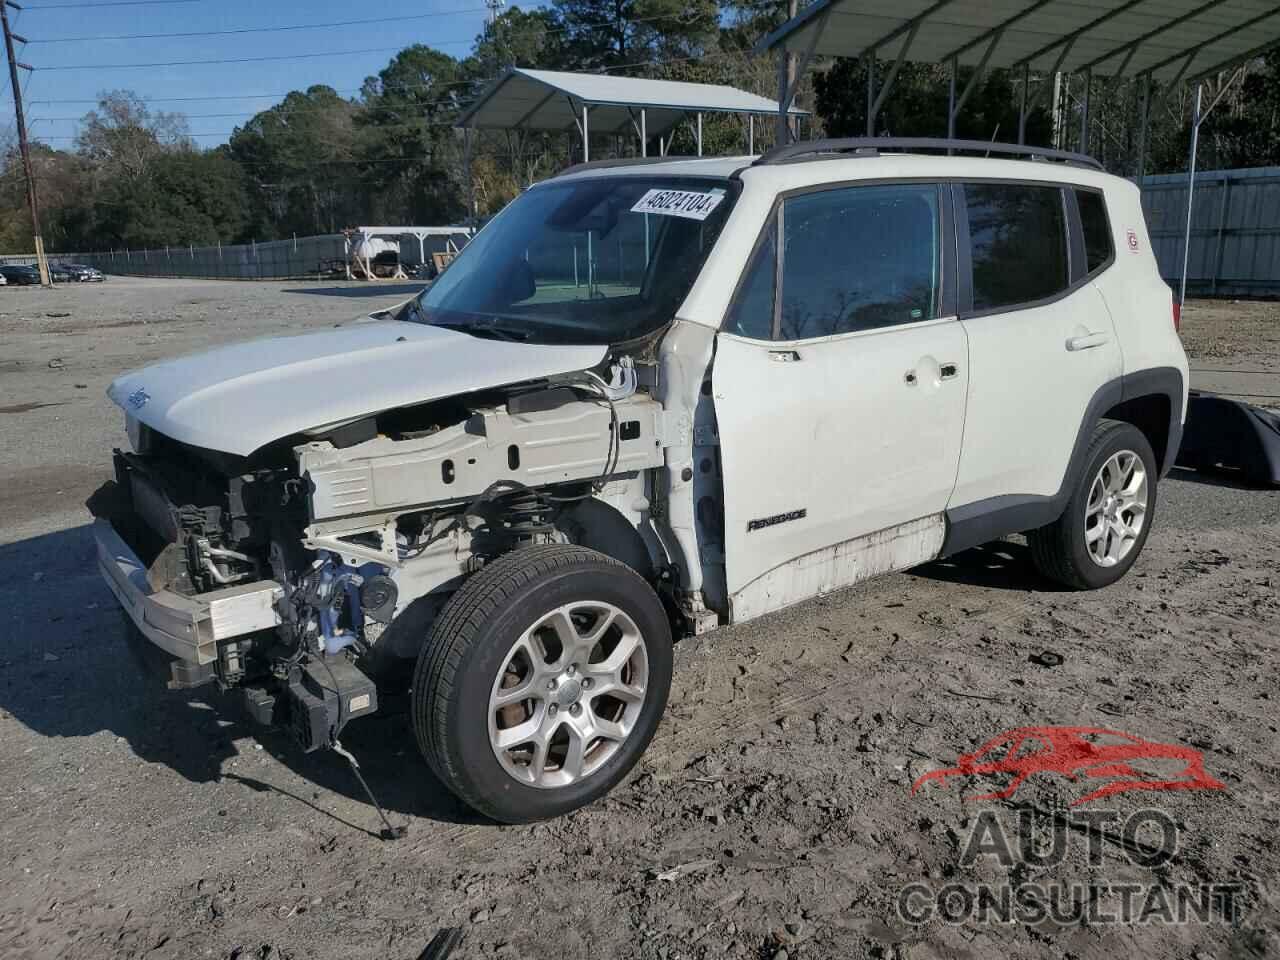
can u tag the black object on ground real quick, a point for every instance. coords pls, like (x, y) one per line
(1233, 436)
(1047, 659)
(442, 944)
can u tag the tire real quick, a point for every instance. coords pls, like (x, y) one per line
(484, 642)
(1065, 550)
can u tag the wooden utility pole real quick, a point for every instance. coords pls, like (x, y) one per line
(22, 137)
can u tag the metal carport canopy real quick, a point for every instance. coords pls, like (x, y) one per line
(523, 99)
(1165, 39)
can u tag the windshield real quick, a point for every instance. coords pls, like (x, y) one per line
(587, 261)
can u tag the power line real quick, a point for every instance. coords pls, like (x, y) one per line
(197, 63)
(243, 30)
(107, 3)
(270, 96)
(277, 111)
(338, 53)
(417, 124)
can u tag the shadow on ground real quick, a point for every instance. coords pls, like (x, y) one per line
(1000, 565)
(364, 291)
(67, 670)
(1218, 477)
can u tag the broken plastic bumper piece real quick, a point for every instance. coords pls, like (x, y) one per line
(187, 628)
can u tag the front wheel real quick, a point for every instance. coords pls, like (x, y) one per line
(1108, 518)
(542, 682)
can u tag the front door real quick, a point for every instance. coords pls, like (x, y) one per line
(840, 397)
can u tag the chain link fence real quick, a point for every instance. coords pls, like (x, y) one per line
(300, 257)
(275, 260)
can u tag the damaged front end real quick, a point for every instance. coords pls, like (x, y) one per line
(309, 573)
(296, 513)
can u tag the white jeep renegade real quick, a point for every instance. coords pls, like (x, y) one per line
(649, 398)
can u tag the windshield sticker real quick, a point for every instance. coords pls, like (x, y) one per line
(690, 204)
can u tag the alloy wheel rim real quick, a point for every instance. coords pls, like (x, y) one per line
(568, 694)
(1116, 513)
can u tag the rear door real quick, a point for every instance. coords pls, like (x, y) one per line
(839, 381)
(1041, 343)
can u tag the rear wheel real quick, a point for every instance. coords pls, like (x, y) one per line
(1107, 520)
(542, 682)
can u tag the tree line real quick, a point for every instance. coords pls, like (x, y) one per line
(317, 162)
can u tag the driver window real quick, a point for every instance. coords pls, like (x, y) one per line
(859, 258)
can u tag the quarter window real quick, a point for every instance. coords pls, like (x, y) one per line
(752, 312)
(1018, 242)
(859, 258)
(1097, 231)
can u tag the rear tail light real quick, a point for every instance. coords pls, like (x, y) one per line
(1177, 316)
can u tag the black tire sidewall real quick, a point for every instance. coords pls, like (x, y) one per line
(1116, 437)
(467, 722)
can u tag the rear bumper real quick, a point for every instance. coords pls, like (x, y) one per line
(187, 628)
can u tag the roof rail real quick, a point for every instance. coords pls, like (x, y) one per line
(619, 162)
(873, 146)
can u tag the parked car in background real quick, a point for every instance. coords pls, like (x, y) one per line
(58, 273)
(84, 273)
(18, 275)
(3, 281)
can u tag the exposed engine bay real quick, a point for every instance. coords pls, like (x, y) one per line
(325, 558)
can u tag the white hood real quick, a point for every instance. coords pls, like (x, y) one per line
(239, 398)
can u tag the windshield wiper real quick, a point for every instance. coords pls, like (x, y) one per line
(489, 328)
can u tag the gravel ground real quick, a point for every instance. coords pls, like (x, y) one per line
(773, 814)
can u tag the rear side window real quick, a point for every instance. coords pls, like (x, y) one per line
(1097, 231)
(1018, 243)
(752, 312)
(859, 258)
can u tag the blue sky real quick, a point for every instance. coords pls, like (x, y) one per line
(448, 25)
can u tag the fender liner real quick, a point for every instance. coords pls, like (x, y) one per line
(985, 520)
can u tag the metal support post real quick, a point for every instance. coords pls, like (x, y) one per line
(871, 92)
(1022, 106)
(1191, 190)
(951, 99)
(1144, 105)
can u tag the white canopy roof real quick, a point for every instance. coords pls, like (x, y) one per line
(1168, 39)
(412, 231)
(553, 100)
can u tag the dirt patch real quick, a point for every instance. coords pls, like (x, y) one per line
(1232, 329)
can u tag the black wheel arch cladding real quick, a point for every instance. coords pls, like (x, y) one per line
(985, 520)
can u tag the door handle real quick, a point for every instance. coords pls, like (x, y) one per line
(949, 371)
(1088, 341)
(783, 356)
